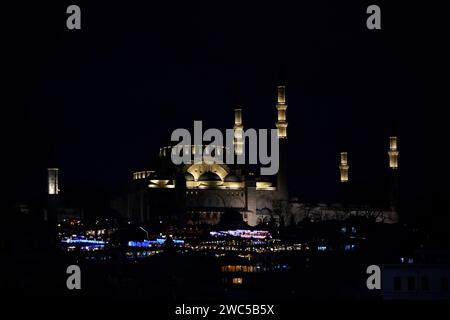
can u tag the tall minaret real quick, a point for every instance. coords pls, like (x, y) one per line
(238, 132)
(393, 174)
(343, 167)
(281, 108)
(344, 191)
(393, 153)
(53, 198)
(53, 181)
(281, 124)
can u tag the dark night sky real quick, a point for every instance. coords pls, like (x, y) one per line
(106, 97)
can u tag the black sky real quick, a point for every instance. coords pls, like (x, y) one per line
(103, 99)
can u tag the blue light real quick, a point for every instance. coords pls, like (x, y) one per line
(349, 247)
(149, 243)
(83, 241)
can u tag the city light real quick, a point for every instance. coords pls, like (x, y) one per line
(247, 234)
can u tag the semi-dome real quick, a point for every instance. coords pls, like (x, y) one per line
(232, 178)
(189, 176)
(209, 176)
(160, 176)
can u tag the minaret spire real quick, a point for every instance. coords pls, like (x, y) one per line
(53, 181)
(393, 153)
(52, 171)
(281, 114)
(343, 167)
(281, 124)
(393, 174)
(238, 132)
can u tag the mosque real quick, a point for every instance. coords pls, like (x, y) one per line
(199, 193)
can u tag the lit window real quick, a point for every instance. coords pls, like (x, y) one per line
(237, 280)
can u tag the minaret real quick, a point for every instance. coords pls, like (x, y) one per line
(238, 132)
(281, 108)
(343, 167)
(281, 124)
(53, 198)
(53, 181)
(344, 185)
(393, 153)
(393, 174)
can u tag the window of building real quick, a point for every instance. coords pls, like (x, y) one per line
(397, 283)
(237, 280)
(425, 283)
(411, 283)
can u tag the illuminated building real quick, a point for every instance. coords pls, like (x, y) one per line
(199, 193)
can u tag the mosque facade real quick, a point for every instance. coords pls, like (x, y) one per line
(200, 192)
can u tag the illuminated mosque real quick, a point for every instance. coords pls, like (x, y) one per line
(200, 193)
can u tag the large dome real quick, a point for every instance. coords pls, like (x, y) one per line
(209, 176)
(232, 178)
